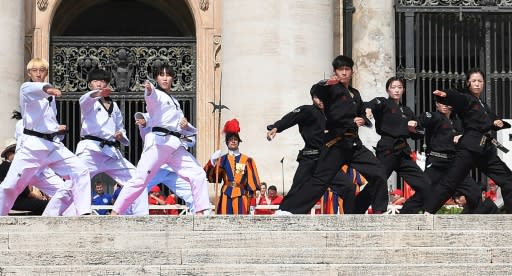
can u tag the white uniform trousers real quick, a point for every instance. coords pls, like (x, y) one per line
(160, 150)
(49, 182)
(121, 170)
(176, 184)
(29, 163)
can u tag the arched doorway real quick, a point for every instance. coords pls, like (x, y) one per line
(127, 38)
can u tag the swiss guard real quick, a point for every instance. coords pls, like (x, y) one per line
(238, 174)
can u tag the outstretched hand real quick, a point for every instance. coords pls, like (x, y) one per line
(333, 80)
(271, 134)
(439, 93)
(498, 123)
(105, 92)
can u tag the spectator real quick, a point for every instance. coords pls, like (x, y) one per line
(272, 198)
(171, 200)
(397, 197)
(155, 198)
(117, 190)
(485, 206)
(99, 197)
(262, 192)
(492, 192)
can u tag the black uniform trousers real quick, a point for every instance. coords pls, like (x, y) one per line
(327, 167)
(469, 188)
(341, 184)
(402, 163)
(465, 160)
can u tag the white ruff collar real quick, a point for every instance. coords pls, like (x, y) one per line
(234, 152)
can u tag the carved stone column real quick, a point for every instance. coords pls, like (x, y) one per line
(273, 51)
(374, 54)
(12, 67)
(373, 49)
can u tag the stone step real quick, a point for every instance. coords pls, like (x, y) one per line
(256, 223)
(161, 240)
(264, 269)
(276, 255)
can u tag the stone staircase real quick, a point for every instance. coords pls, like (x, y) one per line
(257, 245)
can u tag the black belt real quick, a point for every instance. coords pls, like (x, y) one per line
(166, 131)
(441, 155)
(488, 138)
(340, 137)
(46, 136)
(400, 146)
(309, 152)
(103, 142)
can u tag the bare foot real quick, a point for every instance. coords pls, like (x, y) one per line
(113, 213)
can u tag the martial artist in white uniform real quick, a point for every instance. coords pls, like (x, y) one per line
(102, 133)
(40, 147)
(163, 146)
(47, 181)
(166, 175)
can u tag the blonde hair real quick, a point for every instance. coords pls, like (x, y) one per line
(38, 63)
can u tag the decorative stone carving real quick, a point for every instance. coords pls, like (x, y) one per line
(42, 4)
(204, 4)
(130, 62)
(122, 69)
(217, 50)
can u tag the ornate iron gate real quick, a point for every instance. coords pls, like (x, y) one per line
(130, 61)
(437, 41)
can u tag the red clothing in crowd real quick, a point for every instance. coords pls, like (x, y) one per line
(491, 195)
(265, 200)
(171, 200)
(153, 201)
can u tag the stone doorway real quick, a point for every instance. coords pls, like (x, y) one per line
(114, 39)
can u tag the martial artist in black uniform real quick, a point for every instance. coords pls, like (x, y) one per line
(395, 123)
(345, 114)
(476, 148)
(443, 129)
(311, 122)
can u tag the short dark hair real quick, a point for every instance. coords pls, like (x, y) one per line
(232, 134)
(272, 187)
(317, 87)
(341, 61)
(98, 74)
(157, 70)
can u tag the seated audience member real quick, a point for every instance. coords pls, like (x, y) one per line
(117, 191)
(492, 191)
(272, 198)
(30, 199)
(99, 197)
(396, 197)
(155, 198)
(262, 192)
(485, 206)
(171, 200)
